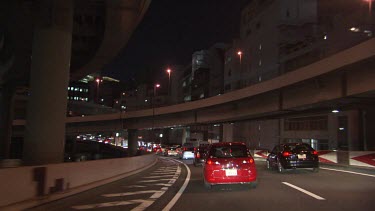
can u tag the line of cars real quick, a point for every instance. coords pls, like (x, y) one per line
(232, 162)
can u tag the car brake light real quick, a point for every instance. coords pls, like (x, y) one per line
(286, 154)
(251, 161)
(198, 155)
(209, 162)
(315, 152)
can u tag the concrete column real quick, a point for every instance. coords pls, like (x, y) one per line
(184, 135)
(132, 142)
(6, 118)
(227, 132)
(50, 67)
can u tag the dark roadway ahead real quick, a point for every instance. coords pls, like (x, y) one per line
(160, 187)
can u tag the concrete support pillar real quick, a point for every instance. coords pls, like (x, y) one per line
(227, 132)
(50, 67)
(132, 142)
(6, 117)
(184, 136)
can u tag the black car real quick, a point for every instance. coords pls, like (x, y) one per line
(200, 155)
(293, 156)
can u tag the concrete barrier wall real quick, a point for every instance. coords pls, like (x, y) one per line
(28, 186)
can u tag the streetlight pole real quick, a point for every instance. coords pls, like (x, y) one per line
(153, 111)
(169, 80)
(97, 90)
(240, 54)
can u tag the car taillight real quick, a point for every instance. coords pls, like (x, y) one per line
(198, 155)
(250, 160)
(286, 154)
(315, 152)
(209, 162)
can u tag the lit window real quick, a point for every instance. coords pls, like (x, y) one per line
(325, 37)
(260, 62)
(260, 78)
(80, 90)
(69, 88)
(76, 89)
(102, 100)
(260, 46)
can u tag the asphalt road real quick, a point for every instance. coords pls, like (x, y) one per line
(160, 187)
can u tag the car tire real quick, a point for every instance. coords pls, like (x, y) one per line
(207, 185)
(253, 185)
(280, 167)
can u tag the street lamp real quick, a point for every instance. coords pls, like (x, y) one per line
(169, 79)
(240, 54)
(97, 89)
(156, 86)
(153, 110)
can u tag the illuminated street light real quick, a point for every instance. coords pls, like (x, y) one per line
(156, 86)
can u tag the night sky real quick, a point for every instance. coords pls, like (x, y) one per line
(170, 32)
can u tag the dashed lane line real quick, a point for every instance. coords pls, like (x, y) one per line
(304, 191)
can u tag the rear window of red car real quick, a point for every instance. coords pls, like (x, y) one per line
(230, 151)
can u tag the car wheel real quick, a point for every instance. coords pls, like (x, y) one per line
(253, 185)
(207, 185)
(315, 170)
(280, 167)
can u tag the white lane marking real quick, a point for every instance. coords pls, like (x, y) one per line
(162, 184)
(162, 173)
(160, 176)
(157, 195)
(154, 180)
(143, 205)
(172, 181)
(304, 191)
(165, 171)
(130, 193)
(108, 204)
(164, 188)
(350, 172)
(135, 186)
(179, 193)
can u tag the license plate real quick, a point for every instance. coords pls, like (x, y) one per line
(303, 156)
(231, 172)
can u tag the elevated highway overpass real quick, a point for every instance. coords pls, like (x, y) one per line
(343, 80)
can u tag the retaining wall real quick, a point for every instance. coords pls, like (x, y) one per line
(28, 186)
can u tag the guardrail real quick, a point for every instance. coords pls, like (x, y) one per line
(29, 186)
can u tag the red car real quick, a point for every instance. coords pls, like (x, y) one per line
(229, 163)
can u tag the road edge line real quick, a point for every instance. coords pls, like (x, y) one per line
(179, 193)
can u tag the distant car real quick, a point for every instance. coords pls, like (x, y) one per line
(229, 163)
(187, 153)
(170, 151)
(200, 155)
(293, 156)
